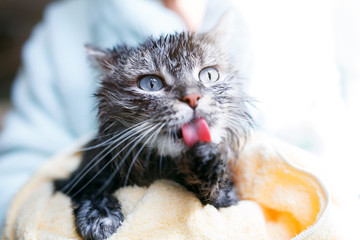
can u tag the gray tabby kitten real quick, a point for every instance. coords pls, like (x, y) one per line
(171, 108)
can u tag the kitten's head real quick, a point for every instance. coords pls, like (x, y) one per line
(182, 79)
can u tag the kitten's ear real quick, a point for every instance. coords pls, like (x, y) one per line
(103, 58)
(222, 31)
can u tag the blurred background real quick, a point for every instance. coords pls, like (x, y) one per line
(306, 76)
(305, 71)
(17, 18)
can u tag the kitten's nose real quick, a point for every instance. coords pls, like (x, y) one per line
(191, 99)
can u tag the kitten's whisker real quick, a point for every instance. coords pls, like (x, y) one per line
(161, 155)
(101, 136)
(235, 126)
(238, 130)
(110, 126)
(121, 140)
(243, 114)
(170, 136)
(101, 144)
(174, 135)
(102, 169)
(240, 122)
(147, 160)
(139, 151)
(81, 174)
(116, 135)
(139, 138)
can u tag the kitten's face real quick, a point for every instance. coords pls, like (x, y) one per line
(147, 88)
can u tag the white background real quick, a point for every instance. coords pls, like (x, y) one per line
(306, 77)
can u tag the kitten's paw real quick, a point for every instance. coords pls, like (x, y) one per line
(206, 172)
(98, 218)
(208, 164)
(227, 196)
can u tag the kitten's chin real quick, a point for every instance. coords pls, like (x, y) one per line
(169, 147)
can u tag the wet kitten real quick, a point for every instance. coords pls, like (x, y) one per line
(169, 108)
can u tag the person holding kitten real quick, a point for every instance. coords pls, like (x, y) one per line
(53, 103)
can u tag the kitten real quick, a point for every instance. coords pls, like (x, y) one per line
(171, 108)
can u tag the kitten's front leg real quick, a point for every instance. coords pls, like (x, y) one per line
(97, 215)
(205, 171)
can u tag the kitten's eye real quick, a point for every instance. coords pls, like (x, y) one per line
(208, 75)
(151, 83)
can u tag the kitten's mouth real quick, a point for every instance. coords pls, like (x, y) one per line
(179, 134)
(195, 131)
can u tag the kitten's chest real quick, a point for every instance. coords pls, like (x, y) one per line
(154, 168)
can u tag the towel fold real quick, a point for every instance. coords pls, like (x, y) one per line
(280, 200)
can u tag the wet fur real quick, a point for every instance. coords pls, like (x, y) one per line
(138, 141)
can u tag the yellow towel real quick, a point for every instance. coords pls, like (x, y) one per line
(279, 201)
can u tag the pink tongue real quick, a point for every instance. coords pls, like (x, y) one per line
(197, 130)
